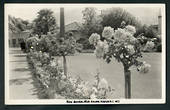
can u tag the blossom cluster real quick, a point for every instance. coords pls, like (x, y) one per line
(124, 35)
(120, 36)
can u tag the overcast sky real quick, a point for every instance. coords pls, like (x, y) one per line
(147, 14)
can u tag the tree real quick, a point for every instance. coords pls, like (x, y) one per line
(21, 26)
(124, 47)
(114, 16)
(58, 46)
(16, 24)
(45, 22)
(26, 22)
(63, 47)
(91, 21)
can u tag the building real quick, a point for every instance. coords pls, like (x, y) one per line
(74, 28)
(158, 27)
(15, 38)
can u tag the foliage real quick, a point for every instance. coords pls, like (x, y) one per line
(45, 22)
(147, 31)
(56, 46)
(31, 43)
(150, 33)
(91, 21)
(64, 46)
(46, 42)
(85, 43)
(17, 24)
(114, 16)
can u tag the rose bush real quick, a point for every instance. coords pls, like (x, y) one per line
(124, 47)
(49, 73)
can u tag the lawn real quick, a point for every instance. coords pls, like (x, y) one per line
(143, 85)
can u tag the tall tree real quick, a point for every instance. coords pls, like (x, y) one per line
(114, 16)
(91, 21)
(45, 22)
(16, 24)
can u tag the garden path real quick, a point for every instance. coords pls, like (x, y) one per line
(20, 79)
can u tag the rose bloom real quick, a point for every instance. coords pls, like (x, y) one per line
(133, 40)
(53, 63)
(120, 35)
(103, 84)
(99, 52)
(101, 49)
(94, 89)
(107, 32)
(93, 96)
(130, 29)
(94, 38)
(46, 55)
(149, 45)
(86, 90)
(78, 90)
(130, 49)
(144, 68)
(106, 46)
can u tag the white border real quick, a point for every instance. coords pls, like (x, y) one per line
(63, 101)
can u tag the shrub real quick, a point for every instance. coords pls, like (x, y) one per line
(85, 43)
(53, 81)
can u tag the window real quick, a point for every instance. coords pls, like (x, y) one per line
(14, 42)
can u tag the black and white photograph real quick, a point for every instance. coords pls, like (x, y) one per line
(85, 53)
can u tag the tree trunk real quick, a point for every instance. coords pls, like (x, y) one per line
(65, 65)
(127, 74)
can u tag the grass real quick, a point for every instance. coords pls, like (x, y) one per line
(144, 86)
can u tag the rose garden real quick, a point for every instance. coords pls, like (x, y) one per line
(119, 60)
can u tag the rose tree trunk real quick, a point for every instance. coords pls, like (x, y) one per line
(65, 65)
(127, 74)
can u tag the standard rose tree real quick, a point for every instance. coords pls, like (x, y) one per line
(124, 47)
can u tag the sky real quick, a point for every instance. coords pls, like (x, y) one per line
(147, 14)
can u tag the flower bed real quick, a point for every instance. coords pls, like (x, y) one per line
(51, 82)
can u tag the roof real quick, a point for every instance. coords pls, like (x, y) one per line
(72, 26)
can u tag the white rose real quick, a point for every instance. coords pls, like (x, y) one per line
(107, 32)
(130, 29)
(103, 84)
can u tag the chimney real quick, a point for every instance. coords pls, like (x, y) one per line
(62, 26)
(160, 23)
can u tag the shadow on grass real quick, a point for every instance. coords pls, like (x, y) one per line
(21, 69)
(16, 51)
(22, 55)
(18, 61)
(18, 81)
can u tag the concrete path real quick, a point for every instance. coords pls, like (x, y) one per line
(20, 85)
